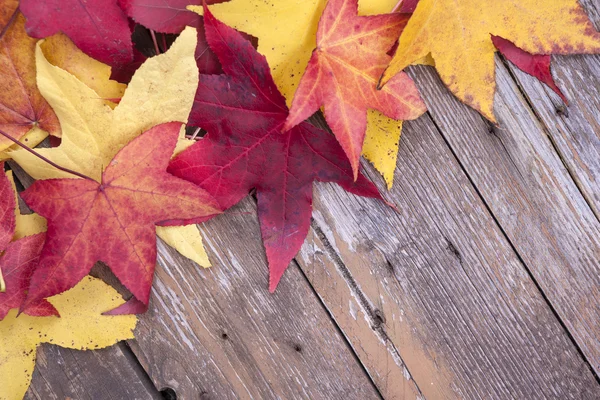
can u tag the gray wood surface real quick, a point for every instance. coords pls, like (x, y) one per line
(219, 333)
(440, 284)
(104, 374)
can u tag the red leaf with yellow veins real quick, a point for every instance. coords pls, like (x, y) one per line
(98, 27)
(343, 71)
(243, 113)
(18, 259)
(536, 65)
(114, 221)
(22, 107)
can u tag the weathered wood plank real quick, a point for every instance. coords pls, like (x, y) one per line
(95, 374)
(219, 333)
(438, 285)
(574, 129)
(523, 181)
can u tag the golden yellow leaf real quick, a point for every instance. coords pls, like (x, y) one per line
(81, 326)
(187, 241)
(162, 90)
(458, 37)
(287, 34)
(60, 51)
(26, 224)
(31, 139)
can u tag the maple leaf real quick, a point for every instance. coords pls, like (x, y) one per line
(134, 194)
(98, 27)
(81, 326)
(286, 32)
(536, 65)
(458, 37)
(18, 258)
(60, 51)
(244, 113)
(22, 107)
(162, 90)
(343, 72)
(171, 16)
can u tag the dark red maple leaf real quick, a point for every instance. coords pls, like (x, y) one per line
(114, 221)
(98, 27)
(17, 259)
(171, 16)
(244, 113)
(536, 65)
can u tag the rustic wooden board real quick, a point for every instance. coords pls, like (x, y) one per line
(532, 196)
(219, 333)
(98, 375)
(438, 285)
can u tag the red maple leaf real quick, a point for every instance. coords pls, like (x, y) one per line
(114, 221)
(171, 16)
(98, 27)
(343, 72)
(18, 259)
(245, 148)
(536, 65)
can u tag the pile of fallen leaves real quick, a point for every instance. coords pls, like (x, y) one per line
(139, 118)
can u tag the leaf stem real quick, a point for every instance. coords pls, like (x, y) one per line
(2, 284)
(156, 48)
(69, 171)
(397, 6)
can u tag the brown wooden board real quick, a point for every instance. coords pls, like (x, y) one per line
(437, 286)
(94, 374)
(219, 333)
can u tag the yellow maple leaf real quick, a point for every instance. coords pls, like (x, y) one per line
(81, 326)
(458, 37)
(287, 34)
(25, 224)
(60, 51)
(162, 90)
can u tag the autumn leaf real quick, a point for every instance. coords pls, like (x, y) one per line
(243, 113)
(536, 65)
(459, 38)
(81, 326)
(287, 34)
(26, 224)
(113, 220)
(22, 107)
(60, 51)
(98, 27)
(171, 16)
(18, 256)
(343, 72)
(162, 90)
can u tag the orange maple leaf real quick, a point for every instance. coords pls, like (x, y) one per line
(22, 107)
(343, 72)
(114, 220)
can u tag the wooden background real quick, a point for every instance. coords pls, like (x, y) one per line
(485, 283)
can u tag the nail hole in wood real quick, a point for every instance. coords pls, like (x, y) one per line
(379, 317)
(224, 336)
(168, 394)
(298, 348)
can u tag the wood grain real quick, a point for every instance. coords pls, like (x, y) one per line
(532, 196)
(218, 332)
(96, 375)
(439, 284)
